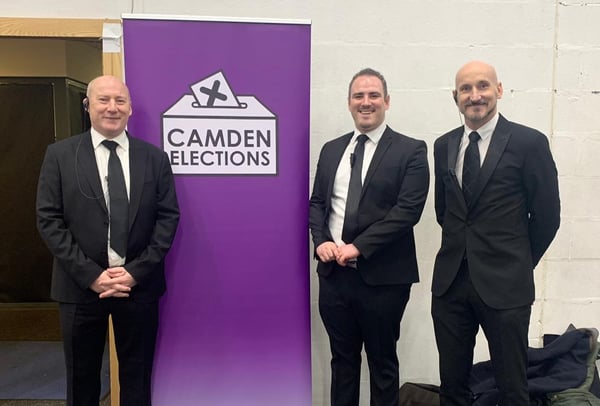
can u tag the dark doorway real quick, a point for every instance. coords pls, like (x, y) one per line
(35, 111)
(27, 127)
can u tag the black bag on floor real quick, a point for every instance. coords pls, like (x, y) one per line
(419, 394)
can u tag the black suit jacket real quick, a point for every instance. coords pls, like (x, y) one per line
(392, 200)
(512, 220)
(72, 218)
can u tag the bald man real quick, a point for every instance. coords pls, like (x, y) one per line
(496, 198)
(92, 185)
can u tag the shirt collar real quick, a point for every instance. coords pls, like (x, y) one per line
(120, 139)
(486, 130)
(374, 136)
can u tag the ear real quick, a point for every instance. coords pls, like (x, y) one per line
(455, 96)
(499, 90)
(86, 104)
(386, 101)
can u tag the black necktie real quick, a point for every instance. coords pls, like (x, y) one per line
(118, 202)
(471, 167)
(350, 229)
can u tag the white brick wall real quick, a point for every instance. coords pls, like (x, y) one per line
(547, 53)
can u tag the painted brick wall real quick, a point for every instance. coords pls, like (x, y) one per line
(547, 54)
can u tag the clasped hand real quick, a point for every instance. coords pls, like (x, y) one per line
(329, 251)
(113, 282)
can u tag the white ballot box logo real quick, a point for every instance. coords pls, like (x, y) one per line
(215, 132)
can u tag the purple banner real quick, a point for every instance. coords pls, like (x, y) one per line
(229, 103)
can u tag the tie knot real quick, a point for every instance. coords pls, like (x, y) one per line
(112, 145)
(474, 136)
(362, 138)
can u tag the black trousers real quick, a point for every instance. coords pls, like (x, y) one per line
(457, 316)
(84, 328)
(354, 314)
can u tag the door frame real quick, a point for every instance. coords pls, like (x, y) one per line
(112, 64)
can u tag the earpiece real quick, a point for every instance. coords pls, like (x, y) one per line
(87, 196)
(455, 98)
(86, 104)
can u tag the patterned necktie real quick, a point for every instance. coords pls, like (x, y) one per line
(118, 201)
(471, 167)
(350, 229)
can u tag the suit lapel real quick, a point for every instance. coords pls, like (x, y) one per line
(382, 146)
(137, 168)
(497, 146)
(88, 168)
(335, 156)
(453, 146)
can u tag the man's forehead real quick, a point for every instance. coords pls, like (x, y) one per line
(366, 83)
(474, 78)
(110, 91)
(108, 84)
(366, 91)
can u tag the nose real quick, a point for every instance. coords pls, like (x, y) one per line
(112, 104)
(475, 95)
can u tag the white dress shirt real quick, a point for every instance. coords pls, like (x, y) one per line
(485, 132)
(342, 179)
(102, 154)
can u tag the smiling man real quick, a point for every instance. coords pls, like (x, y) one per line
(496, 198)
(369, 191)
(107, 210)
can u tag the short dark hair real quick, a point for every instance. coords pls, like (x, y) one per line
(369, 72)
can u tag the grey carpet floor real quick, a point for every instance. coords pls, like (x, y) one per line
(36, 370)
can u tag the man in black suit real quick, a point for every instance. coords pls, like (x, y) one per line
(496, 198)
(98, 272)
(369, 191)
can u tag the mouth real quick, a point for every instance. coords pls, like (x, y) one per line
(475, 105)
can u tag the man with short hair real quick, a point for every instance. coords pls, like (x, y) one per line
(369, 192)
